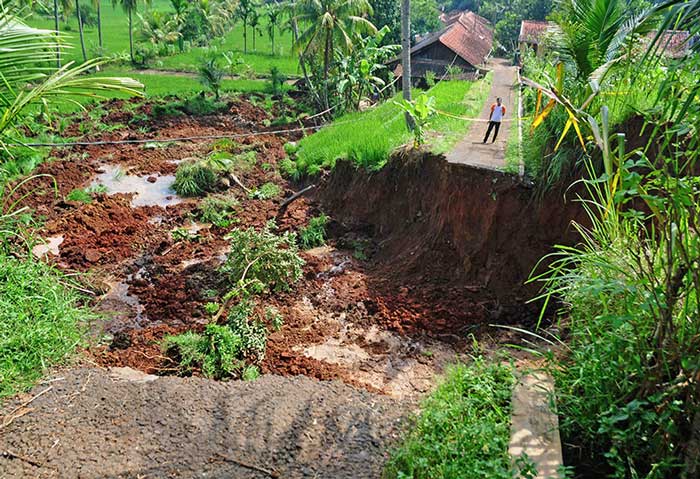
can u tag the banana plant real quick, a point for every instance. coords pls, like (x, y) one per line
(420, 109)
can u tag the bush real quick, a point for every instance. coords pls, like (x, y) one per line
(218, 210)
(463, 429)
(268, 191)
(194, 179)
(200, 105)
(314, 234)
(262, 261)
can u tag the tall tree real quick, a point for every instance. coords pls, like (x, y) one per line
(272, 12)
(129, 6)
(80, 29)
(244, 12)
(98, 7)
(330, 24)
(254, 22)
(387, 13)
(56, 28)
(406, 55)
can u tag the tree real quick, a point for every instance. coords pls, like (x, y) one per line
(595, 33)
(254, 22)
(331, 24)
(406, 55)
(98, 7)
(32, 84)
(387, 13)
(80, 29)
(129, 6)
(272, 12)
(425, 16)
(244, 12)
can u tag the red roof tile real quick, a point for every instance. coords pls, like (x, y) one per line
(470, 37)
(532, 31)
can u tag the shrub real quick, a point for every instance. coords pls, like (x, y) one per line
(194, 179)
(267, 191)
(218, 210)
(314, 234)
(274, 317)
(261, 260)
(211, 76)
(199, 105)
(463, 429)
(187, 349)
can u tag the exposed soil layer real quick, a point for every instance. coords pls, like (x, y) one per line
(453, 235)
(96, 424)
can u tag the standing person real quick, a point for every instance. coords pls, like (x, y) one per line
(497, 113)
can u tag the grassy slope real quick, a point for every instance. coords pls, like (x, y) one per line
(41, 321)
(116, 41)
(463, 429)
(368, 137)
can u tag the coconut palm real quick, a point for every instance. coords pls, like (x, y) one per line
(29, 80)
(244, 11)
(129, 6)
(80, 29)
(595, 33)
(331, 25)
(98, 8)
(272, 12)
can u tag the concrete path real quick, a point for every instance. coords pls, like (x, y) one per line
(471, 149)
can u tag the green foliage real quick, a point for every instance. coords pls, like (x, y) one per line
(194, 178)
(368, 138)
(41, 321)
(80, 196)
(187, 349)
(425, 17)
(430, 78)
(250, 373)
(200, 105)
(267, 191)
(420, 109)
(314, 234)
(219, 210)
(211, 75)
(274, 317)
(261, 261)
(277, 80)
(463, 429)
(184, 234)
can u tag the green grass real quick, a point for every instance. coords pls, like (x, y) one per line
(41, 322)
(115, 33)
(512, 156)
(463, 429)
(369, 137)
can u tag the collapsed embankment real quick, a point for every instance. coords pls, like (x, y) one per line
(481, 229)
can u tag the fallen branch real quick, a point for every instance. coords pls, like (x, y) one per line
(235, 179)
(296, 195)
(12, 455)
(12, 415)
(248, 466)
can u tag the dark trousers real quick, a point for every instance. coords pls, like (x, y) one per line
(492, 125)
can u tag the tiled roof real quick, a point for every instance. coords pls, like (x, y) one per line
(531, 31)
(469, 36)
(673, 43)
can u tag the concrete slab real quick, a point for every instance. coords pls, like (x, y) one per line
(534, 426)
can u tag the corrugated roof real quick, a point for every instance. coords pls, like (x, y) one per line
(532, 31)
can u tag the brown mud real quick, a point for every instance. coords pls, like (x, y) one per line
(423, 256)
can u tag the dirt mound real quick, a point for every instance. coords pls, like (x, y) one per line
(172, 427)
(451, 234)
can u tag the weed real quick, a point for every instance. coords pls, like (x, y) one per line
(211, 308)
(200, 105)
(187, 349)
(95, 189)
(194, 178)
(274, 317)
(262, 261)
(184, 234)
(463, 429)
(80, 196)
(218, 210)
(267, 191)
(314, 234)
(250, 373)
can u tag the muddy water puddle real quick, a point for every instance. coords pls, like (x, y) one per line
(123, 310)
(148, 190)
(50, 246)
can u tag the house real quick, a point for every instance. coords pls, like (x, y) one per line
(464, 44)
(532, 35)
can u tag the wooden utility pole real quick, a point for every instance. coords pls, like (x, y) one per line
(406, 55)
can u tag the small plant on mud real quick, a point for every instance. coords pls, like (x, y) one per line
(218, 210)
(212, 308)
(274, 317)
(184, 234)
(79, 196)
(250, 373)
(194, 179)
(267, 191)
(261, 261)
(421, 109)
(211, 76)
(187, 349)
(314, 234)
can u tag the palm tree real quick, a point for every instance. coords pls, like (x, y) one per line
(331, 25)
(28, 81)
(595, 33)
(244, 11)
(272, 12)
(129, 6)
(254, 22)
(65, 6)
(98, 8)
(80, 29)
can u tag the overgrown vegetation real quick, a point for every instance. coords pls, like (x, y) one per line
(219, 210)
(463, 429)
(314, 234)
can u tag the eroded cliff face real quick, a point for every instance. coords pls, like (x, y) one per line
(454, 223)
